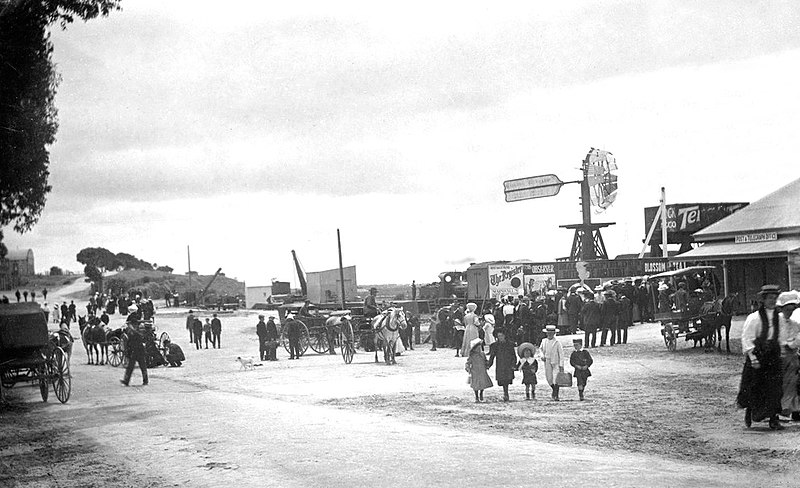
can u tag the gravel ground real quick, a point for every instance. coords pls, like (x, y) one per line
(652, 418)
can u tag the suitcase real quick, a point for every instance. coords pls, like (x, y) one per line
(564, 379)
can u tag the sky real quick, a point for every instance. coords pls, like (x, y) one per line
(249, 130)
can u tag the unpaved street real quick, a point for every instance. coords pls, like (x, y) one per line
(652, 418)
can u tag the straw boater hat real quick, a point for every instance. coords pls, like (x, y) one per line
(475, 342)
(551, 328)
(526, 345)
(472, 307)
(489, 318)
(788, 297)
(769, 290)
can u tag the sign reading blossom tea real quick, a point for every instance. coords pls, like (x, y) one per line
(506, 279)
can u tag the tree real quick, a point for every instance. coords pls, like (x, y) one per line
(99, 257)
(165, 269)
(129, 261)
(28, 116)
(56, 271)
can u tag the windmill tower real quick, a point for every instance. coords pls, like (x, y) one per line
(599, 190)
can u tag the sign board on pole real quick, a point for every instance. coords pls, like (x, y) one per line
(532, 187)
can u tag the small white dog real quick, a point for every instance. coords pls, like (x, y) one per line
(246, 363)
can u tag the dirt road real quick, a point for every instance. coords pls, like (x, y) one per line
(653, 418)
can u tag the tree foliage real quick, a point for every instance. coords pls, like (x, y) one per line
(99, 257)
(165, 269)
(28, 116)
(129, 261)
(56, 271)
(92, 273)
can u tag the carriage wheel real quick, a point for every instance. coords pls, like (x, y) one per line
(115, 352)
(319, 341)
(44, 388)
(62, 380)
(672, 343)
(7, 379)
(304, 338)
(162, 342)
(347, 342)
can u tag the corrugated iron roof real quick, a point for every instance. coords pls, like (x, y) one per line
(728, 250)
(778, 210)
(18, 254)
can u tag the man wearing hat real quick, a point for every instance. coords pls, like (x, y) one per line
(789, 340)
(293, 333)
(590, 318)
(609, 315)
(261, 332)
(189, 323)
(272, 339)
(371, 304)
(553, 357)
(762, 385)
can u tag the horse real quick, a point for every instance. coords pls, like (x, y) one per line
(94, 335)
(386, 328)
(725, 313)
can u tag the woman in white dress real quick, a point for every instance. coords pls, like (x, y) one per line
(471, 325)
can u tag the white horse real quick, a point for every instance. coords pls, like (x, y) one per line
(386, 328)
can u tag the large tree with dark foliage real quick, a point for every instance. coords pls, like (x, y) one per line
(28, 121)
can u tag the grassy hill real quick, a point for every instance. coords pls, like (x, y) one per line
(156, 283)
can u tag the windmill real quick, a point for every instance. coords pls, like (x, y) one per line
(598, 190)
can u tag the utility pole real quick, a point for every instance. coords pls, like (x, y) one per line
(664, 250)
(189, 259)
(341, 269)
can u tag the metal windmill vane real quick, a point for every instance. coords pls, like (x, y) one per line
(598, 189)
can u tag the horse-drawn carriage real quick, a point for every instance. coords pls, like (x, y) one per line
(687, 304)
(155, 346)
(27, 353)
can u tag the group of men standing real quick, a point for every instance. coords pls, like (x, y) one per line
(211, 330)
(25, 294)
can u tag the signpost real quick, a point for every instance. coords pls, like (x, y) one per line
(532, 187)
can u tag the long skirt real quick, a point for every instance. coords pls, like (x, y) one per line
(790, 402)
(470, 333)
(761, 389)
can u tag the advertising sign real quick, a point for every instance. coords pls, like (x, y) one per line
(684, 219)
(539, 283)
(506, 279)
(760, 237)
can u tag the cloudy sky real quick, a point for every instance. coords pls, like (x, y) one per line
(246, 129)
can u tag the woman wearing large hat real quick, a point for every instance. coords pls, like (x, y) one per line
(789, 339)
(471, 326)
(761, 387)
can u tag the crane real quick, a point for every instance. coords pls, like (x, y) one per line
(300, 275)
(201, 299)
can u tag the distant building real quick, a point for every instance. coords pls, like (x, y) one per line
(14, 266)
(325, 286)
(257, 295)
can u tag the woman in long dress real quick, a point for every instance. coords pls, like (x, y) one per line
(563, 317)
(471, 325)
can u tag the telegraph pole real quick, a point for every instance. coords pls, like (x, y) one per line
(341, 269)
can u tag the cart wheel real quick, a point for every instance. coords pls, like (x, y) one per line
(319, 341)
(284, 339)
(62, 380)
(44, 388)
(347, 342)
(115, 352)
(305, 338)
(7, 379)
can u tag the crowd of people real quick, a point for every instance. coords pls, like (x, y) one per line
(211, 331)
(24, 295)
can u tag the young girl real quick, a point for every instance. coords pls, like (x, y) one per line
(476, 367)
(580, 359)
(528, 366)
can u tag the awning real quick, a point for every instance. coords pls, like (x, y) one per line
(730, 250)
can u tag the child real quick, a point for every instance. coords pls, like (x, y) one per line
(529, 366)
(476, 367)
(580, 359)
(506, 355)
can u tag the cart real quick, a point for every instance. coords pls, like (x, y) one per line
(697, 319)
(27, 355)
(356, 333)
(155, 346)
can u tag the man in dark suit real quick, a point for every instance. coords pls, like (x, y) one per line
(591, 319)
(574, 304)
(272, 340)
(216, 332)
(293, 333)
(261, 332)
(609, 316)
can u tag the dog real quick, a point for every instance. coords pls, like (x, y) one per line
(247, 363)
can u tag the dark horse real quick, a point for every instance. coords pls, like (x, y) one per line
(716, 316)
(94, 336)
(63, 339)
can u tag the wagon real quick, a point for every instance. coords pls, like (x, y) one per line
(27, 355)
(356, 333)
(697, 318)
